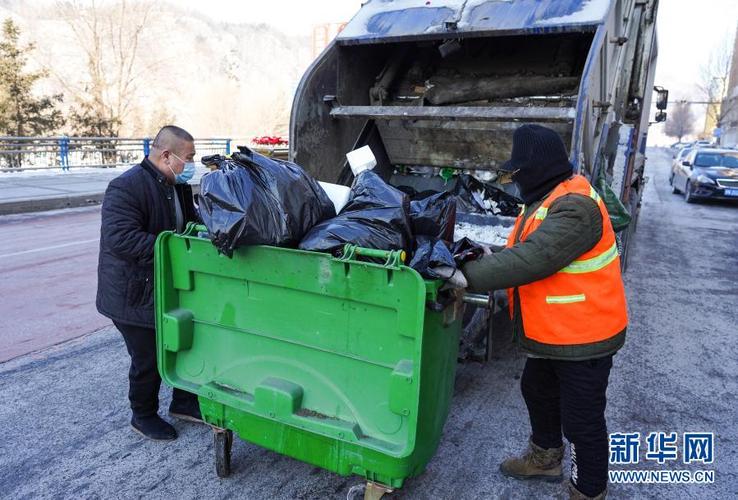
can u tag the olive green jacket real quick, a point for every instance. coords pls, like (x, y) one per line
(573, 226)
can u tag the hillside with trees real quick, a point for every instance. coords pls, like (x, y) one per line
(126, 68)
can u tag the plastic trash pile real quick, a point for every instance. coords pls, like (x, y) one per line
(254, 200)
(475, 196)
(376, 216)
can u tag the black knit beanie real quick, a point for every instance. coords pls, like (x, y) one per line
(540, 161)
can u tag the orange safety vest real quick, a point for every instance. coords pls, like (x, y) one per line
(585, 301)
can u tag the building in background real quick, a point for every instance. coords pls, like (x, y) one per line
(728, 125)
(712, 114)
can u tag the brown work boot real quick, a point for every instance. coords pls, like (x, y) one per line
(536, 463)
(575, 494)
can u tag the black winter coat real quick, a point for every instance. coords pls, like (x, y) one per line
(138, 205)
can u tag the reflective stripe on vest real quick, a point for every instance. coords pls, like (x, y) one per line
(593, 194)
(565, 299)
(542, 212)
(589, 265)
(593, 264)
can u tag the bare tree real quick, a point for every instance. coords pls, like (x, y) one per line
(714, 78)
(111, 35)
(680, 122)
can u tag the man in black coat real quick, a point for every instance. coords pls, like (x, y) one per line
(139, 204)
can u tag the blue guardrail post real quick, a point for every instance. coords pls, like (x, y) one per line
(64, 153)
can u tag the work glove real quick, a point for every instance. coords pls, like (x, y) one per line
(456, 279)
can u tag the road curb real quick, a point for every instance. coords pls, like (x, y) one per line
(52, 203)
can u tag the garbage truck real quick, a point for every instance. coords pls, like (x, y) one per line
(440, 85)
(347, 362)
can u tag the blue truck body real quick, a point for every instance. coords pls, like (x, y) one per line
(382, 22)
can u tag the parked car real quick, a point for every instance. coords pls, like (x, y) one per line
(706, 173)
(679, 157)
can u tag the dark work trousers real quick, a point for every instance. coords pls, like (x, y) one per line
(143, 377)
(570, 395)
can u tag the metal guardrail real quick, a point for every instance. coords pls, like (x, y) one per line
(40, 153)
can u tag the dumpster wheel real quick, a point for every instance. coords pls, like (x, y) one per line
(222, 440)
(368, 491)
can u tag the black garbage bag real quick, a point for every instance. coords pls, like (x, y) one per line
(434, 216)
(432, 258)
(254, 200)
(408, 190)
(466, 250)
(376, 216)
(475, 196)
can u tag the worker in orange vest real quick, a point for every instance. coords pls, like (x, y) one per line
(567, 303)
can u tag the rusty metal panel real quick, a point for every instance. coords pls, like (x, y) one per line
(457, 113)
(475, 145)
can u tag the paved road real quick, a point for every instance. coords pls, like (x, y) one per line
(65, 422)
(48, 260)
(48, 263)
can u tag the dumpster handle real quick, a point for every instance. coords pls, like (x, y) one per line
(393, 258)
(193, 228)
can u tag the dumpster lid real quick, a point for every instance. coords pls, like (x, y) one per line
(393, 20)
(295, 336)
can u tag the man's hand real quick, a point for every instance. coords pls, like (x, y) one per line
(456, 280)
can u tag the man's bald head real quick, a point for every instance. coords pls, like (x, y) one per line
(172, 147)
(171, 138)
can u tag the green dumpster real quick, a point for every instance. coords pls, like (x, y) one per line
(339, 362)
